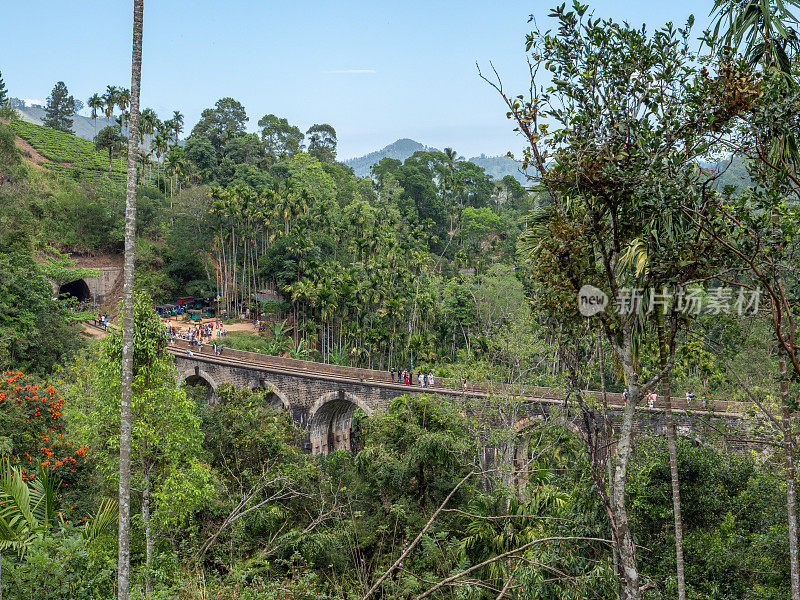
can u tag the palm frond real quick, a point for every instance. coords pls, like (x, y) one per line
(44, 497)
(636, 256)
(14, 492)
(104, 518)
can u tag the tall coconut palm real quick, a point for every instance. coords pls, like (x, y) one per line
(110, 101)
(96, 104)
(126, 409)
(147, 126)
(123, 100)
(177, 124)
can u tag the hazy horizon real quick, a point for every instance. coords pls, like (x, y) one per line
(376, 76)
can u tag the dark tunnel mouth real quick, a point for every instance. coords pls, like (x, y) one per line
(75, 289)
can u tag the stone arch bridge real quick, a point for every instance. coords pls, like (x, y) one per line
(323, 398)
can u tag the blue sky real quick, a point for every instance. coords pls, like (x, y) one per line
(377, 71)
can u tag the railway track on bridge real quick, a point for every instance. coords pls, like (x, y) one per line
(327, 372)
(322, 371)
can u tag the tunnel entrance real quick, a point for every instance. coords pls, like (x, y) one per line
(75, 289)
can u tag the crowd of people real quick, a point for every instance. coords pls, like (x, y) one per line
(200, 333)
(406, 376)
(652, 397)
(101, 320)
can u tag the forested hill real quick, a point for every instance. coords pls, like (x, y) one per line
(400, 150)
(734, 172)
(496, 167)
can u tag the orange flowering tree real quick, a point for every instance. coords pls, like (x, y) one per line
(33, 428)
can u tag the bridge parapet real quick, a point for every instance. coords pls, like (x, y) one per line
(323, 402)
(444, 385)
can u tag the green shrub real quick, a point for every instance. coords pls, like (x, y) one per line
(55, 567)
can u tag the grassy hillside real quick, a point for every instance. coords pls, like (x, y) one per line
(82, 126)
(62, 196)
(67, 154)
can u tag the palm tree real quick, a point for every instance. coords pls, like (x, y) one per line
(762, 27)
(120, 121)
(448, 181)
(161, 144)
(109, 139)
(110, 101)
(126, 409)
(177, 124)
(174, 162)
(27, 510)
(123, 100)
(147, 126)
(452, 158)
(96, 104)
(638, 258)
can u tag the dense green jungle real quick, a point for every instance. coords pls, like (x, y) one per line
(664, 177)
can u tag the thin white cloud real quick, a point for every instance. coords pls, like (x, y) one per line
(352, 72)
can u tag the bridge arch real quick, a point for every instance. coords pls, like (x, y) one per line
(198, 376)
(278, 398)
(331, 420)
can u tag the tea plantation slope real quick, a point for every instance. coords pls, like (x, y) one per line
(68, 154)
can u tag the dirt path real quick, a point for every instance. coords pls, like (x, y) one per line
(93, 332)
(30, 153)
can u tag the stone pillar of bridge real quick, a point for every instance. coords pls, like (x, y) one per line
(521, 465)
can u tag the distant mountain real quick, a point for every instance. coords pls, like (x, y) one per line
(734, 172)
(495, 166)
(400, 150)
(498, 167)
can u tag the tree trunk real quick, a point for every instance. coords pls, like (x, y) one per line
(663, 354)
(791, 500)
(126, 408)
(631, 589)
(148, 535)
